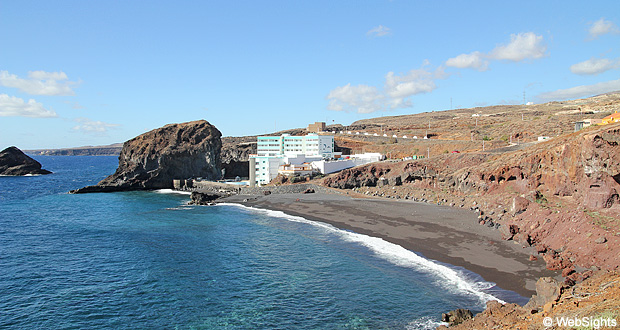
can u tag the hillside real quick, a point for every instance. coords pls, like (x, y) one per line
(464, 130)
(532, 194)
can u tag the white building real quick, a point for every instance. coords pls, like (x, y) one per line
(316, 150)
(309, 145)
(274, 151)
(332, 166)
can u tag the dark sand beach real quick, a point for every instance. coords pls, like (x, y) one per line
(441, 233)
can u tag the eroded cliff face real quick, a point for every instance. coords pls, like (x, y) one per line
(176, 151)
(236, 154)
(583, 165)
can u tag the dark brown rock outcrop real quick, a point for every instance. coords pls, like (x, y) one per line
(15, 163)
(176, 151)
(198, 198)
(457, 316)
(593, 298)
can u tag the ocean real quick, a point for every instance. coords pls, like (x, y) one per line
(147, 260)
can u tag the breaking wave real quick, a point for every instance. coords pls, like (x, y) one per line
(450, 278)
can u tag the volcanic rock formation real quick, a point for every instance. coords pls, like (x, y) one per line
(176, 151)
(14, 162)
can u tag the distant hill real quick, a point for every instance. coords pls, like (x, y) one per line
(108, 150)
(464, 130)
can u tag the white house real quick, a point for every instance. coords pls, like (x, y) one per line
(331, 166)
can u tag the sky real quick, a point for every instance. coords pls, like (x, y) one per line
(77, 73)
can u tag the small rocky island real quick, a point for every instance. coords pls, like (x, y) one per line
(15, 163)
(152, 160)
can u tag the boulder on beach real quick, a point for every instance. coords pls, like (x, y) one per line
(15, 163)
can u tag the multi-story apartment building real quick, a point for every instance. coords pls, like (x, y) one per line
(273, 151)
(309, 145)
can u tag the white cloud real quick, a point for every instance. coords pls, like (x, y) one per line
(11, 106)
(39, 83)
(594, 66)
(602, 27)
(521, 46)
(360, 98)
(397, 89)
(475, 60)
(581, 91)
(379, 31)
(91, 126)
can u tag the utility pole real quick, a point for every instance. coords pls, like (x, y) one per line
(451, 107)
(524, 97)
(428, 152)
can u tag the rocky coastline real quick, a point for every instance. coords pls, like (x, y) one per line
(529, 195)
(558, 198)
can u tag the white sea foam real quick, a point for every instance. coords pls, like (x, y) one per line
(29, 174)
(448, 277)
(171, 191)
(181, 207)
(424, 323)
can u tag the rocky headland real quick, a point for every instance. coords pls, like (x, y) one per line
(594, 300)
(154, 159)
(15, 163)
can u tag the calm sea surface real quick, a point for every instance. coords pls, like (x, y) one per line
(145, 260)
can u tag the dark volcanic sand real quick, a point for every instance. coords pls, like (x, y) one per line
(442, 233)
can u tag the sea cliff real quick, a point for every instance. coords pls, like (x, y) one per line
(176, 151)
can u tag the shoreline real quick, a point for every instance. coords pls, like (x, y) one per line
(440, 233)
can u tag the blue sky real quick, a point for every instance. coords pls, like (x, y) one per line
(76, 73)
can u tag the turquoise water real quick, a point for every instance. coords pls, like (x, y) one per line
(146, 260)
